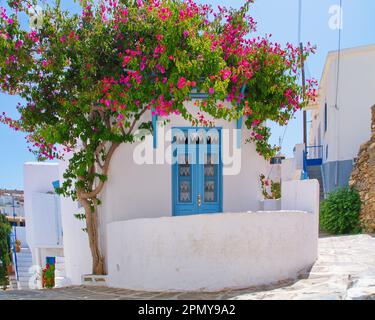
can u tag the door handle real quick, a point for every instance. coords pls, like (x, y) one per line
(199, 200)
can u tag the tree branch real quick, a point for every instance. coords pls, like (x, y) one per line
(137, 117)
(105, 169)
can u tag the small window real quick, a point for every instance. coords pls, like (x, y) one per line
(325, 117)
(327, 151)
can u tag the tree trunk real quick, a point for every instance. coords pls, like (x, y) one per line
(90, 203)
(98, 266)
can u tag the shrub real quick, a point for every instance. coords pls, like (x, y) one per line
(5, 258)
(339, 213)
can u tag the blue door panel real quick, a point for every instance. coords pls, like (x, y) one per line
(196, 184)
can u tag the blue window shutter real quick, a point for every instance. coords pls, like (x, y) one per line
(154, 128)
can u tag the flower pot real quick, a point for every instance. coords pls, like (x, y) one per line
(10, 269)
(18, 246)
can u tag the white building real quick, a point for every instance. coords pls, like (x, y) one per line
(341, 118)
(11, 203)
(161, 226)
(43, 216)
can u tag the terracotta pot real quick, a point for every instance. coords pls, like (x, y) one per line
(10, 269)
(18, 249)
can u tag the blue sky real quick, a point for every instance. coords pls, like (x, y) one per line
(280, 18)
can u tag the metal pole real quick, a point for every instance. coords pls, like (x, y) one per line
(304, 96)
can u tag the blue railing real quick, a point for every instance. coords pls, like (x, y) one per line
(13, 239)
(314, 156)
(314, 152)
(305, 174)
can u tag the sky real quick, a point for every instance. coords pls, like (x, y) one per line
(276, 17)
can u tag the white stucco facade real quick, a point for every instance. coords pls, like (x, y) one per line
(217, 252)
(77, 253)
(137, 226)
(42, 211)
(348, 125)
(342, 128)
(138, 191)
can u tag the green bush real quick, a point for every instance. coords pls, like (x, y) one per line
(5, 259)
(339, 213)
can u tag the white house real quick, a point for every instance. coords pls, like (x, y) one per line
(11, 203)
(44, 232)
(187, 225)
(341, 118)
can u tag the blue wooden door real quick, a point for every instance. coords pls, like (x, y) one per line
(197, 171)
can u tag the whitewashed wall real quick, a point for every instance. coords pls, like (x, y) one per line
(216, 252)
(38, 178)
(134, 192)
(77, 254)
(46, 227)
(145, 191)
(21, 236)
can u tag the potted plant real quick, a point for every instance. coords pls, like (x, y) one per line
(271, 191)
(10, 269)
(18, 246)
(48, 276)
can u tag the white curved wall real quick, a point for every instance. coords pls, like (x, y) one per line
(210, 253)
(216, 252)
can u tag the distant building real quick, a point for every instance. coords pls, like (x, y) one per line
(12, 204)
(341, 118)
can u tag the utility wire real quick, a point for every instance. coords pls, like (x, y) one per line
(299, 21)
(338, 59)
(299, 41)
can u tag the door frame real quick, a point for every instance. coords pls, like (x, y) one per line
(220, 178)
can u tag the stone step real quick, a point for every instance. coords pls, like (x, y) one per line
(24, 254)
(24, 260)
(59, 273)
(61, 282)
(23, 285)
(60, 260)
(23, 268)
(24, 278)
(60, 266)
(24, 275)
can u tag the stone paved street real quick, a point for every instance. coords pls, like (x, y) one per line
(345, 270)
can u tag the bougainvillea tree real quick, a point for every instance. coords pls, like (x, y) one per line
(86, 79)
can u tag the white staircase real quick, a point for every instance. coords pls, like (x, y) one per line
(24, 267)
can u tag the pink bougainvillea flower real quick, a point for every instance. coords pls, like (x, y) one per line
(226, 74)
(126, 60)
(211, 91)
(181, 83)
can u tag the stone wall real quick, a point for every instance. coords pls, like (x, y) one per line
(363, 179)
